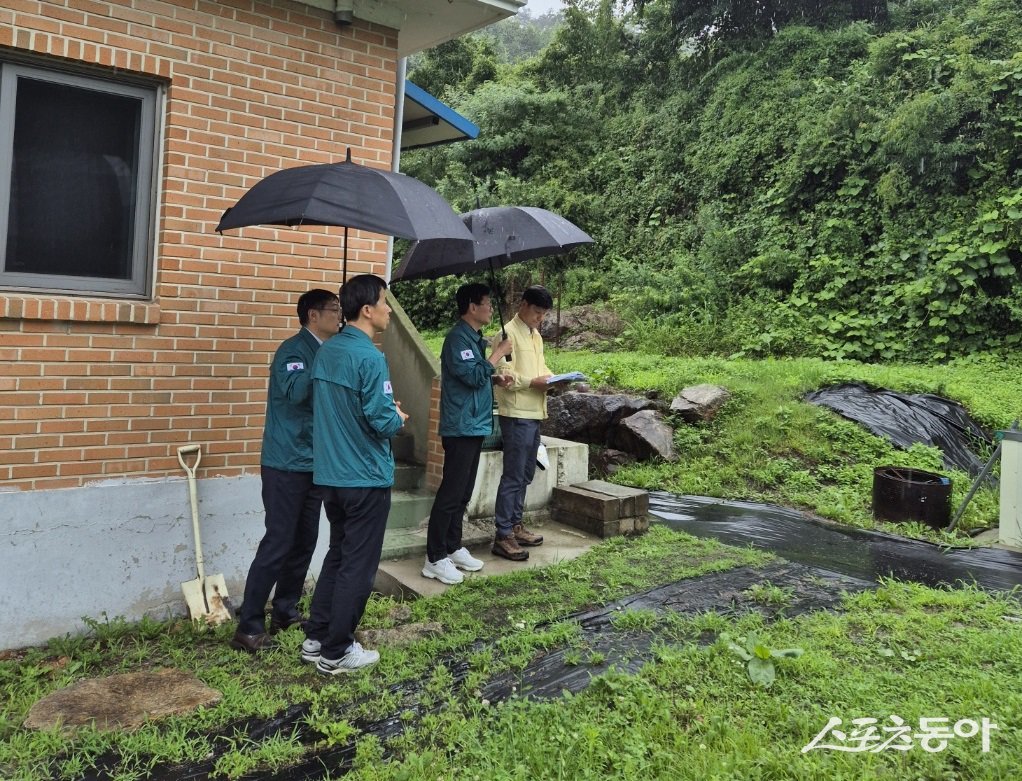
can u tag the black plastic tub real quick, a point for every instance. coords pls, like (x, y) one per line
(903, 494)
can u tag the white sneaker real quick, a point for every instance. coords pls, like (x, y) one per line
(462, 559)
(310, 651)
(443, 570)
(356, 658)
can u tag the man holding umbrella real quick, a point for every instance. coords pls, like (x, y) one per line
(466, 417)
(521, 408)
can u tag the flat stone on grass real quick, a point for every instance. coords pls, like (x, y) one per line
(121, 702)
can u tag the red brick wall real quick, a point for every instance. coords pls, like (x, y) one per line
(96, 388)
(435, 447)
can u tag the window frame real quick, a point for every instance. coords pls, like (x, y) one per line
(143, 248)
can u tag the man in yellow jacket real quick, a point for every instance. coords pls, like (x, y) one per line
(521, 408)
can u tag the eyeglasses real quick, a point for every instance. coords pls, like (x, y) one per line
(328, 308)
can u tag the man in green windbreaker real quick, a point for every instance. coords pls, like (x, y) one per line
(466, 417)
(354, 417)
(291, 501)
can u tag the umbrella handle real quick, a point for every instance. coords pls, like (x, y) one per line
(495, 296)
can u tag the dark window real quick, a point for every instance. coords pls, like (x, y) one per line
(76, 182)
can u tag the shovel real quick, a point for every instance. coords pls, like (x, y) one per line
(206, 596)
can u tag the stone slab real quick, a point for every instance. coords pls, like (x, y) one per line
(634, 501)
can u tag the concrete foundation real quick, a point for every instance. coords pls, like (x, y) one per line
(120, 549)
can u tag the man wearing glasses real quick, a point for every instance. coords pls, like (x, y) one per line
(291, 502)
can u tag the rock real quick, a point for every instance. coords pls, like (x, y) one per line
(646, 435)
(699, 403)
(122, 702)
(606, 461)
(588, 417)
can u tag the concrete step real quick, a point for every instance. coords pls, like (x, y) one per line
(408, 476)
(404, 551)
(409, 508)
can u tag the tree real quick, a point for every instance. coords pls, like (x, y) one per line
(718, 23)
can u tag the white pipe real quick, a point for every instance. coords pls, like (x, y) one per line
(1010, 527)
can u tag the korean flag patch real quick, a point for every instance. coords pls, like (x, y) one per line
(388, 389)
(467, 355)
(295, 366)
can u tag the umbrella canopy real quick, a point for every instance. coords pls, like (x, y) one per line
(502, 235)
(350, 195)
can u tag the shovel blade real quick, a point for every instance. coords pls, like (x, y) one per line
(208, 600)
(218, 600)
(196, 599)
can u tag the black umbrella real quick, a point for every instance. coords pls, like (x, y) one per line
(502, 235)
(349, 195)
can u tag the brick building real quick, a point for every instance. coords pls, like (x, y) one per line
(128, 327)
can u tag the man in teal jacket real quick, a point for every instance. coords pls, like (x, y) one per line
(291, 502)
(354, 417)
(466, 418)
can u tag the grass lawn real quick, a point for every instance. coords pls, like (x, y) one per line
(693, 711)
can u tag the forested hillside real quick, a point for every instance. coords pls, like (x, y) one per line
(761, 177)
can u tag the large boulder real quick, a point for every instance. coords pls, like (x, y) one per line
(645, 434)
(699, 403)
(589, 417)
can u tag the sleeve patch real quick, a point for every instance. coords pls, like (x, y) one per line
(467, 355)
(388, 389)
(295, 366)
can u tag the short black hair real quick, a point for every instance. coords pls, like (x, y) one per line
(471, 293)
(313, 299)
(537, 295)
(359, 291)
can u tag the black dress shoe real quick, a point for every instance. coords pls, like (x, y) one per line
(280, 624)
(252, 643)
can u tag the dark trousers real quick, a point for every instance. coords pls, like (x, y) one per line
(292, 504)
(461, 461)
(521, 441)
(358, 520)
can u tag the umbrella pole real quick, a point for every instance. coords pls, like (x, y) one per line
(495, 296)
(344, 268)
(560, 291)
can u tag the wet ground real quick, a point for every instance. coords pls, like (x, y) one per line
(858, 553)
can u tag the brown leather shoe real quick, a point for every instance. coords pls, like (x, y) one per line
(507, 547)
(280, 624)
(252, 643)
(525, 537)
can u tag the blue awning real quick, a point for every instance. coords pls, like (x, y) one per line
(427, 121)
